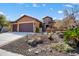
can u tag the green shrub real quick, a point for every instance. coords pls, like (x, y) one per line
(72, 35)
(37, 30)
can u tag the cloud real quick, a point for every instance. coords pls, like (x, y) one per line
(35, 5)
(54, 17)
(43, 5)
(2, 13)
(27, 6)
(57, 18)
(51, 8)
(22, 15)
(19, 3)
(60, 18)
(75, 3)
(68, 5)
(8, 17)
(60, 11)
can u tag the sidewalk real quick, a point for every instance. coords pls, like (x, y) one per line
(6, 53)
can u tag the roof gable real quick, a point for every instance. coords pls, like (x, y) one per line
(26, 18)
(47, 17)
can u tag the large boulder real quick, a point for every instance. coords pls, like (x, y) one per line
(39, 40)
(57, 37)
(33, 40)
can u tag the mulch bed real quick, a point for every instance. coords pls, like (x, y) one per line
(21, 47)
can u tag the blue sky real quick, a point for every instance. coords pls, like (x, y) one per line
(15, 10)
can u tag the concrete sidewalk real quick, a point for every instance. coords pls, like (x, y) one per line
(6, 53)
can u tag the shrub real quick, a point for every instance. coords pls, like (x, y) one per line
(71, 36)
(37, 30)
(61, 47)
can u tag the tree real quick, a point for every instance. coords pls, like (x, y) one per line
(70, 16)
(3, 22)
(71, 12)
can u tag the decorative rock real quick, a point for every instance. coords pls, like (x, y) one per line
(49, 35)
(48, 49)
(36, 52)
(61, 35)
(17, 48)
(31, 42)
(29, 50)
(39, 40)
(56, 37)
(34, 40)
(45, 33)
(43, 49)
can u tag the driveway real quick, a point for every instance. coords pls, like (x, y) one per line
(6, 38)
(7, 53)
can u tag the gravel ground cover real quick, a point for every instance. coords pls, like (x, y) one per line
(21, 47)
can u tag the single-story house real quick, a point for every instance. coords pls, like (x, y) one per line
(26, 24)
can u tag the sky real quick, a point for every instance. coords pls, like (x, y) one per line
(13, 11)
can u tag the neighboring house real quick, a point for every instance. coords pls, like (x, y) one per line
(26, 24)
(47, 22)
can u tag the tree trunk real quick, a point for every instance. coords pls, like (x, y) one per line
(1, 28)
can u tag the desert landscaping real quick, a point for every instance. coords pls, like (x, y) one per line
(29, 36)
(56, 40)
(40, 45)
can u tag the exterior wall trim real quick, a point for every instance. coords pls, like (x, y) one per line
(23, 22)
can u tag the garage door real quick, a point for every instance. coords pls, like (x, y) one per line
(26, 27)
(14, 27)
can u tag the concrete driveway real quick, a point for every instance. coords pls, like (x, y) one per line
(6, 38)
(7, 53)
